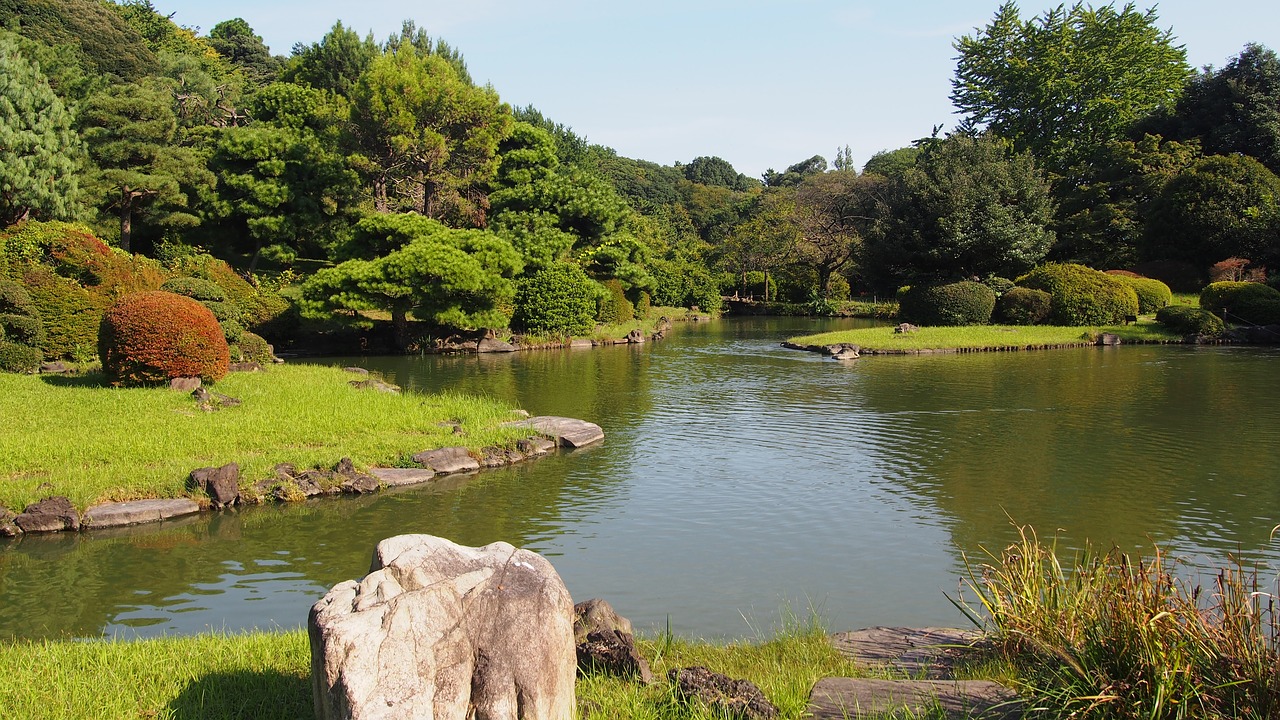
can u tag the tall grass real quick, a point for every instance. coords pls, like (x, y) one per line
(80, 438)
(1120, 636)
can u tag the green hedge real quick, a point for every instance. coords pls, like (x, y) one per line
(17, 357)
(960, 303)
(1024, 306)
(1082, 295)
(1245, 302)
(206, 291)
(1152, 294)
(558, 299)
(1189, 320)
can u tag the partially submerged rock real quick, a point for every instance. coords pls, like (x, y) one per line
(137, 512)
(569, 432)
(53, 514)
(7, 528)
(222, 484)
(438, 630)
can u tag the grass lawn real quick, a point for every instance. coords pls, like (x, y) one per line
(266, 676)
(975, 337)
(77, 437)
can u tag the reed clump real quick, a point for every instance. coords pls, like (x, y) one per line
(1116, 635)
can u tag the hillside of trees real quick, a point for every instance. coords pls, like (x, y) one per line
(374, 174)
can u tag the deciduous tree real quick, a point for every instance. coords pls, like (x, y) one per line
(1068, 80)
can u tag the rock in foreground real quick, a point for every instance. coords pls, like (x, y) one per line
(438, 631)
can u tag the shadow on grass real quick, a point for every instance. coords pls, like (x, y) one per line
(245, 695)
(88, 380)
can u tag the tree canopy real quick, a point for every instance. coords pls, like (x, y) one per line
(1068, 80)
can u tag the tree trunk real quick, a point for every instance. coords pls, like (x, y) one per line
(380, 195)
(400, 326)
(126, 217)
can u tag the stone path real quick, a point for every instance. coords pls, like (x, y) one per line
(925, 659)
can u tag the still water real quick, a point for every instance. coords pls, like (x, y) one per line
(738, 480)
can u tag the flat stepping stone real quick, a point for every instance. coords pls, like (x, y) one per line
(398, 477)
(569, 432)
(850, 698)
(929, 652)
(137, 512)
(447, 460)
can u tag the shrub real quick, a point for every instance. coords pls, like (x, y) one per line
(151, 337)
(1024, 306)
(206, 291)
(263, 310)
(643, 305)
(558, 299)
(70, 312)
(17, 357)
(255, 348)
(1249, 302)
(998, 284)
(1123, 273)
(704, 292)
(14, 299)
(1082, 295)
(614, 307)
(1152, 294)
(25, 329)
(1188, 320)
(959, 303)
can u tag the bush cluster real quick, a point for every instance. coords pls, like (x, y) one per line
(1248, 302)
(260, 309)
(1189, 320)
(1152, 294)
(1081, 295)
(1024, 306)
(152, 337)
(21, 332)
(614, 307)
(959, 303)
(558, 299)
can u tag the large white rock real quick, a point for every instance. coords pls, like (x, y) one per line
(438, 631)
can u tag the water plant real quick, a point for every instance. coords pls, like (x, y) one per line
(1116, 635)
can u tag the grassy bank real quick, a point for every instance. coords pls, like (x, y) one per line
(974, 337)
(74, 436)
(266, 676)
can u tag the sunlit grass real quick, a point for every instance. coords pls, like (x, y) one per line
(90, 442)
(975, 337)
(265, 675)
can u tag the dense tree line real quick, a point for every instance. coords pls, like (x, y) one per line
(390, 179)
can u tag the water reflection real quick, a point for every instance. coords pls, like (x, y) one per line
(736, 477)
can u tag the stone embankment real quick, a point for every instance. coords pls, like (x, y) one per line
(220, 487)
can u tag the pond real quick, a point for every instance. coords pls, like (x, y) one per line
(740, 481)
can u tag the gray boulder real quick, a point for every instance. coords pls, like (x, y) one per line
(53, 514)
(445, 632)
(494, 345)
(137, 512)
(605, 642)
(222, 484)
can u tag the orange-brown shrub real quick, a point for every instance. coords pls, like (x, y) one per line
(152, 337)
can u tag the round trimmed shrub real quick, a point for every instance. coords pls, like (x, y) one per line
(14, 299)
(959, 303)
(1152, 294)
(615, 308)
(1081, 295)
(23, 329)
(256, 348)
(1024, 306)
(999, 284)
(152, 337)
(206, 291)
(17, 357)
(1249, 302)
(1189, 320)
(558, 299)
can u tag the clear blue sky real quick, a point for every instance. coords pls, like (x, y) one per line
(760, 83)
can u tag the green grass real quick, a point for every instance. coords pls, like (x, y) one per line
(76, 437)
(976, 337)
(266, 676)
